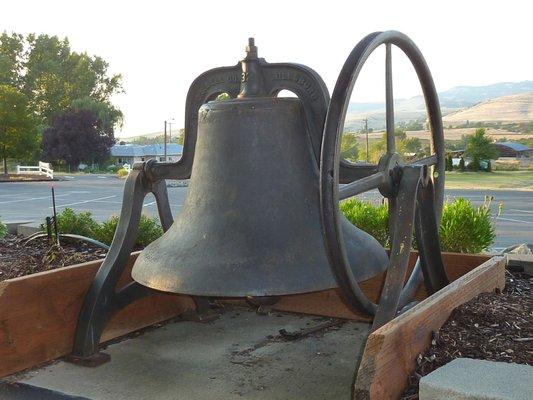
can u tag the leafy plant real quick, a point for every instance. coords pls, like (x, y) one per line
(465, 228)
(77, 223)
(149, 230)
(372, 219)
(106, 230)
(122, 172)
(3, 230)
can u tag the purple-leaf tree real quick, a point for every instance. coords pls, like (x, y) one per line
(77, 136)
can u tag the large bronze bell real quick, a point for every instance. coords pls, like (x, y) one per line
(250, 225)
(262, 218)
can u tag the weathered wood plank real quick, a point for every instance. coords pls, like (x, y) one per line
(329, 302)
(391, 351)
(38, 314)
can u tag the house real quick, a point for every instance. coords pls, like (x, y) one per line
(513, 150)
(132, 153)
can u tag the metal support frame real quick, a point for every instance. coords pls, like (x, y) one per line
(104, 298)
(415, 191)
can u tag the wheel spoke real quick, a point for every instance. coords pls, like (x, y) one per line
(431, 160)
(362, 185)
(389, 100)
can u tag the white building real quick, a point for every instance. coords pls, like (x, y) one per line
(132, 153)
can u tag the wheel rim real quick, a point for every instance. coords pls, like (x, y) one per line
(332, 166)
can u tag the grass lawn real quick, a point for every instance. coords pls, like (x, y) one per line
(518, 180)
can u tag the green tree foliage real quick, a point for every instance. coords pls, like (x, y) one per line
(349, 147)
(56, 76)
(449, 163)
(18, 135)
(479, 147)
(108, 115)
(11, 59)
(412, 145)
(462, 166)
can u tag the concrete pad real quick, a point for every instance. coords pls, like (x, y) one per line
(467, 379)
(240, 355)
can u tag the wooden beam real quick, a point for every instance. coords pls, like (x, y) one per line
(329, 302)
(391, 351)
(39, 312)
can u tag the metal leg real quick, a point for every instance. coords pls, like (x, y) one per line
(159, 189)
(400, 247)
(427, 236)
(102, 299)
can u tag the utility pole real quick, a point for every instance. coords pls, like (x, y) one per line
(366, 133)
(165, 144)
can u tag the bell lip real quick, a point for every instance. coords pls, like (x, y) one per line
(172, 289)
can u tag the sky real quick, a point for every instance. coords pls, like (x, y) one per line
(159, 47)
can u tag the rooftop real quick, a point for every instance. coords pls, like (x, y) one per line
(136, 150)
(514, 145)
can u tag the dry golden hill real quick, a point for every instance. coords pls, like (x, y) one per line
(514, 108)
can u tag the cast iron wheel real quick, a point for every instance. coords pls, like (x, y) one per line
(414, 191)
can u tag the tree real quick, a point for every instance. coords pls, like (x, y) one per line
(11, 59)
(18, 135)
(76, 136)
(55, 77)
(412, 145)
(479, 147)
(449, 163)
(109, 115)
(349, 147)
(462, 166)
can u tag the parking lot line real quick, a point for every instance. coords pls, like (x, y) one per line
(32, 199)
(514, 220)
(84, 201)
(522, 211)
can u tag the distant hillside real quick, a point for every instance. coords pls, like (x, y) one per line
(450, 101)
(514, 108)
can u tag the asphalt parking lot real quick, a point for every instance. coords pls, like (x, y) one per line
(102, 196)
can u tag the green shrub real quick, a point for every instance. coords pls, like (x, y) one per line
(149, 230)
(82, 223)
(106, 230)
(372, 219)
(122, 172)
(3, 230)
(465, 228)
(77, 223)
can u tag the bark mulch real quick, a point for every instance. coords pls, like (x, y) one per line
(18, 258)
(492, 326)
